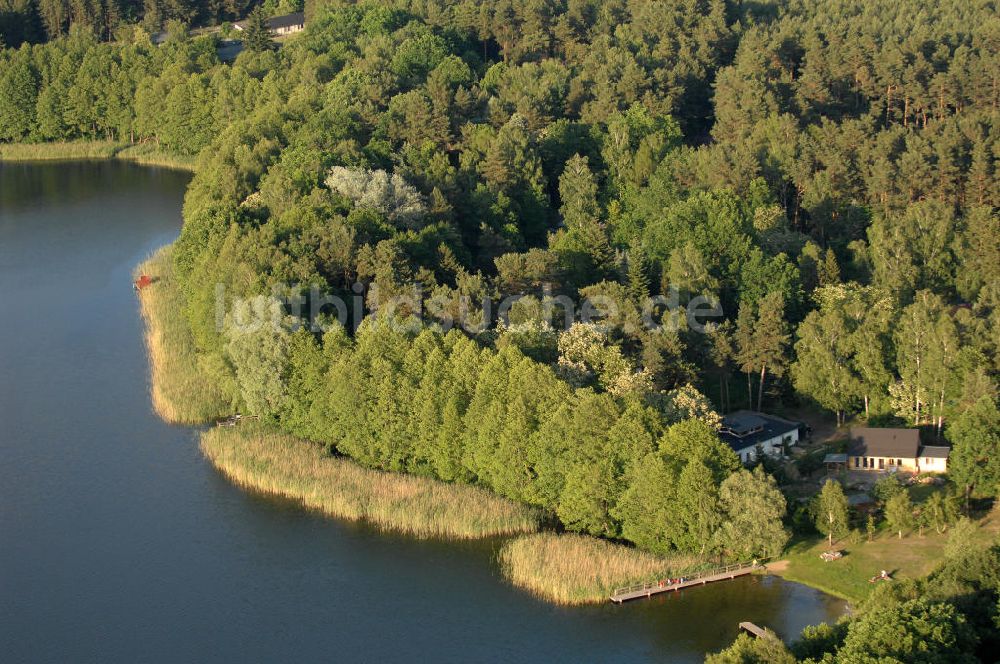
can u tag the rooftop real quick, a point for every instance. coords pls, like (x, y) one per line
(277, 22)
(743, 422)
(286, 21)
(747, 428)
(879, 442)
(935, 451)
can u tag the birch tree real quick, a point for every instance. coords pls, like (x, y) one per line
(831, 511)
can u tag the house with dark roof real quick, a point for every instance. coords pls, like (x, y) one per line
(745, 431)
(280, 25)
(933, 459)
(888, 449)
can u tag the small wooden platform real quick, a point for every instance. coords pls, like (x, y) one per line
(701, 578)
(750, 628)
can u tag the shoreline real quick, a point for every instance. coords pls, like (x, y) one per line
(254, 457)
(144, 154)
(572, 569)
(562, 568)
(179, 389)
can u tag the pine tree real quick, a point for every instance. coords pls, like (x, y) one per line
(582, 245)
(762, 341)
(256, 35)
(720, 353)
(638, 274)
(747, 356)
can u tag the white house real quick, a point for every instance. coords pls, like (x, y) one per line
(280, 25)
(746, 430)
(888, 449)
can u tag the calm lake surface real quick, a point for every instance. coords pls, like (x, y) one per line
(118, 542)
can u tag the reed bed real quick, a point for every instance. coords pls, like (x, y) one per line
(144, 153)
(58, 150)
(181, 389)
(149, 155)
(277, 464)
(577, 569)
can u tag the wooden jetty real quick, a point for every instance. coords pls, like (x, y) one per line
(753, 630)
(666, 585)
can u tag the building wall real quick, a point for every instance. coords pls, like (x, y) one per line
(933, 465)
(884, 463)
(772, 447)
(919, 465)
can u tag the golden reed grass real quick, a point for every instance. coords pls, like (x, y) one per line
(180, 388)
(282, 465)
(145, 153)
(577, 569)
(58, 150)
(149, 155)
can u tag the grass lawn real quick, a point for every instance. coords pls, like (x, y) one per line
(908, 558)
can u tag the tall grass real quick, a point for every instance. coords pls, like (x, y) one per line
(277, 464)
(181, 388)
(144, 153)
(576, 569)
(148, 154)
(58, 150)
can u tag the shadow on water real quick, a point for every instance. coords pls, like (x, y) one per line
(118, 542)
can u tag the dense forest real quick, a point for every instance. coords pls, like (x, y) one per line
(38, 20)
(825, 173)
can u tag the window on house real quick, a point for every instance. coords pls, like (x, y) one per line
(892, 462)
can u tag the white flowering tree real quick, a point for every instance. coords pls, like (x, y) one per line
(390, 194)
(587, 355)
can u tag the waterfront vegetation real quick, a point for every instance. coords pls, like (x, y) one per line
(278, 464)
(57, 150)
(824, 172)
(181, 388)
(147, 154)
(575, 569)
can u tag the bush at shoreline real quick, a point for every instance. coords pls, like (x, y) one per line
(278, 464)
(577, 569)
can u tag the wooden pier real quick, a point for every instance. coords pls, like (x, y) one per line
(754, 630)
(698, 579)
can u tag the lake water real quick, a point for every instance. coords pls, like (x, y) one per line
(118, 542)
